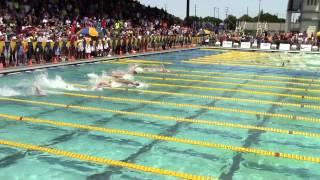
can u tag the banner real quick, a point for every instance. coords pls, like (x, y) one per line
(305, 47)
(265, 46)
(245, 45)
(284, 47)
(227, 44)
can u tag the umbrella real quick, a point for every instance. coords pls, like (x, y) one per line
(207, 32)
(318, 34)
(89, 31)
(203, 32)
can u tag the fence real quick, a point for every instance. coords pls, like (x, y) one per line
(264, 46)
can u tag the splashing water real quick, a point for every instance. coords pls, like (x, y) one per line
(42, 80)
(8, 92)
(96, 79)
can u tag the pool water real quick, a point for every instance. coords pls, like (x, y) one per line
(205, 98)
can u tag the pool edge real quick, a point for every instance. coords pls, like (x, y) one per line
(87, 61)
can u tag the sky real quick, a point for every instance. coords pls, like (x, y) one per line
(206, 7)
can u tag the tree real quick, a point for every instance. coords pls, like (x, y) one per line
(231, 22)
(267, 17)
(246, 18)
(189, 20)
(213, 20)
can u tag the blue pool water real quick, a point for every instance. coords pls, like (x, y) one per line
(16, 163)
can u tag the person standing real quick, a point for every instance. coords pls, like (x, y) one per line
(6, 52)
(29, 53)
(57, 52)
(38, 52)
(100, 48)
(80, 49)
(88, 50)
(47, 53)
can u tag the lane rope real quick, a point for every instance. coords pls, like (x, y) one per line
(237, 90)
(231, 84)
(234, 64)
(167, 138)
(254, 101)
(206, 122)
(234, 78)
(140, 61)
(120, 63)
(103, 161)
(171, 118)
(310, 80)
(163, 103)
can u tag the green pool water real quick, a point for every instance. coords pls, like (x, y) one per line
(17, 163)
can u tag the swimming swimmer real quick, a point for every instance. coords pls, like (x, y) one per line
(136, 69)
(38, 91)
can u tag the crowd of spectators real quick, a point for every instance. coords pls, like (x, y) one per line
(44, 29)
(48, 30)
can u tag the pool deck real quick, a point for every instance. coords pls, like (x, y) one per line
(86, 61)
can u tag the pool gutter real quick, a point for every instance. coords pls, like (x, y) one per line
(86, 61)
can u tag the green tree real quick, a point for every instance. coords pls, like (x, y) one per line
(213, 20)
(246, 18)
(192, 19)
(231, 22)
(267, 17)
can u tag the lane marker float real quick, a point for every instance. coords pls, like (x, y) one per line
(162, 138)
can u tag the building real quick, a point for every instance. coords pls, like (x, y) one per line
(303, 15)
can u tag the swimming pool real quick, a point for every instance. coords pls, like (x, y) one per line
(218, 114)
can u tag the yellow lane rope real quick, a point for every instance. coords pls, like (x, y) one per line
(254, 101)
(166, 138)
(238, 90)
(234, 59)
(274, 64)
(233, 55)
(140, 61)
(232, 84)
(163, 103)
(235, 64)
(123, 63)
(242, 63)
(275, 115)
(206, 122)
(310, 80)
(233, 78)
(103, 161)
(263, 61)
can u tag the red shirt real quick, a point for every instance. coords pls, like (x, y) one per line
(103, 23)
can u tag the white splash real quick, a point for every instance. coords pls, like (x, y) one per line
(8, 92)
(44, 82)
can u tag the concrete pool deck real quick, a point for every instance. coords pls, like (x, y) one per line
(86, 61)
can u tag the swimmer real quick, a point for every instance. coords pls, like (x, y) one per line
(106, 82)
(117, 74)
(38, 91)
(136, 69)
(157, 69)
(124, 82)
